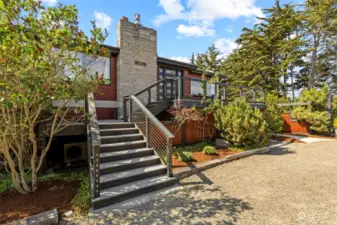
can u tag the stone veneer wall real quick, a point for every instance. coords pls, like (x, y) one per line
(137, 60)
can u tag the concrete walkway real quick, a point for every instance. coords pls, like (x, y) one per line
(305, 139)
(293, 184)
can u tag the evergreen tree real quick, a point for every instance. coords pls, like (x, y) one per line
(319, 30)
(193, 58)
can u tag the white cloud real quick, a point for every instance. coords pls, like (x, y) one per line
(102, 20)
(206, 10)
(49, 2)
(201, 14)
(248, 21)
(195, 30)
(181, 59)
(226, 46)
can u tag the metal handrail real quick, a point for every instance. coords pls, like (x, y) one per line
(93, 144)
(152, 129)
(151, 86)
(152, 117)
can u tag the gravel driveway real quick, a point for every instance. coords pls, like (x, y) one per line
(293, 184)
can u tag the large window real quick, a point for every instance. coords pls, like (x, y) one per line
(99, 66)
(196, 89)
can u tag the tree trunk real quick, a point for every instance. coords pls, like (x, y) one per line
(292, 83)
(313, 67)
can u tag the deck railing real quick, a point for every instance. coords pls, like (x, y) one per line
(93, 144)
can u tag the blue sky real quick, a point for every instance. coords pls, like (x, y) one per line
(183, 26)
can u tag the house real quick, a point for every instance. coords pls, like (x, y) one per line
(128, 147)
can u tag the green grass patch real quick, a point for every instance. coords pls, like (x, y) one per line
(185, 156)
(209, 150)
(197, 147)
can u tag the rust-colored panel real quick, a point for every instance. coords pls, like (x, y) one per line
(290, 126)
(177, 136)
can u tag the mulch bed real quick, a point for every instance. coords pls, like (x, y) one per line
(288, 139)
(55, 194)
(200, 157)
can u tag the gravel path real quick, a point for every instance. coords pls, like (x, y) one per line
(293, 184)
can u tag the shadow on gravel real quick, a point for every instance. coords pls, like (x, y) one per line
(194, 204)
(280, 151)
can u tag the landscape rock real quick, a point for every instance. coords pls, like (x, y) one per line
(221, 143)
(68, 213)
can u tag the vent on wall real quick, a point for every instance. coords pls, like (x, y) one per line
(75, 152)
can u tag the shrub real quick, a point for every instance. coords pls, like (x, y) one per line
(273, 113)
(316, 113)
(185, 156)
(319, 120)
(242, 125)
(209, 150)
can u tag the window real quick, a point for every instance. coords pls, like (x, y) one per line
(99, 66)
(210, 90)
(196, 88)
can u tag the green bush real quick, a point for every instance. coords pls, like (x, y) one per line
(209, 150)
(185, 156)
(273, 113)
(335, 123)
(315, 114)
(242, 125)
(318, 120)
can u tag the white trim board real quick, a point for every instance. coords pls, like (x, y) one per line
(99, 104)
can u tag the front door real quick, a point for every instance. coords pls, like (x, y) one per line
(170, 74)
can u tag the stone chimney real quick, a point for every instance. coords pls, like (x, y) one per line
(137, 59)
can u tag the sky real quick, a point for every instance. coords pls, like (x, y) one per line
(183, 26)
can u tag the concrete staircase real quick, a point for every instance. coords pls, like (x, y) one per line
(128, 168)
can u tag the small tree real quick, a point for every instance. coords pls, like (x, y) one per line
(39, 64)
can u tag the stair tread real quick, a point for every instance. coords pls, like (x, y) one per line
(123, 152)
(133, 186)
(112, 123)
(121, 136)
(127, 161)
(122, 143)
(129, 173)
(119, 129)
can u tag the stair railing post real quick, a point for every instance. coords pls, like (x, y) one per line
(124, 110)
(165, 89)
(130, 110)
(147, 132)
(96, 185)
(149, 96)
(171, 89)
(169, 157)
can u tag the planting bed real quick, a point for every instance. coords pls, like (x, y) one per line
(199, 157)
(55, 194)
